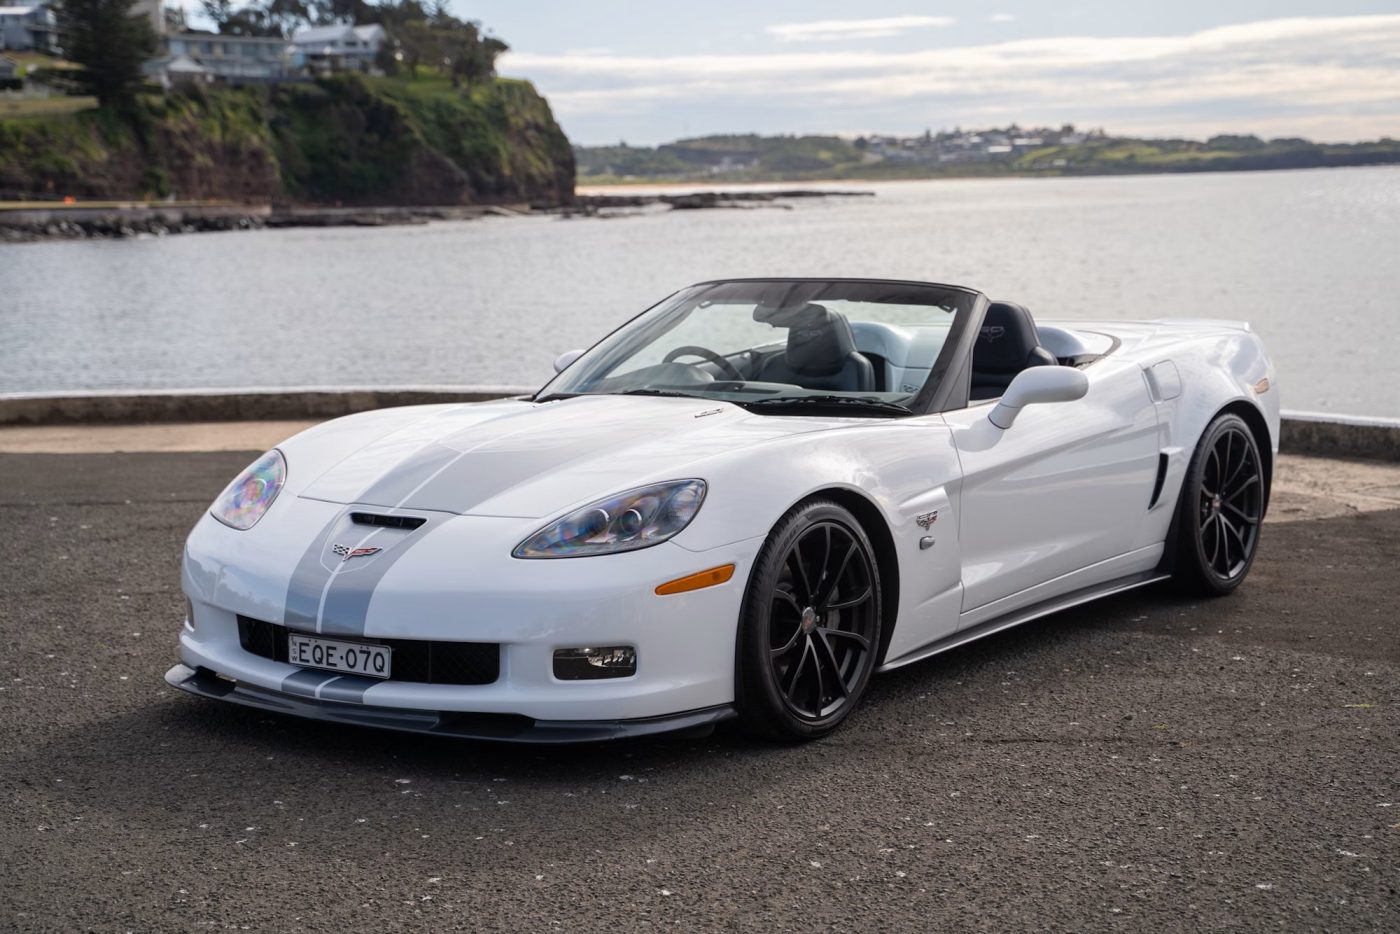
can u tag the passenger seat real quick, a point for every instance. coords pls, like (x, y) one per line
(1007, 344)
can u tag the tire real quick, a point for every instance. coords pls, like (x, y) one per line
(809, 632)
(1221, 509)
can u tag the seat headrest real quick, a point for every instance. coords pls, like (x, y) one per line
(1007, 338)
(819, 340)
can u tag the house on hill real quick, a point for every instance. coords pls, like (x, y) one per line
(206, 57)
(342, 47)
(32, 27)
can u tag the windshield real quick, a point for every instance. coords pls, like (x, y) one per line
(779, 346)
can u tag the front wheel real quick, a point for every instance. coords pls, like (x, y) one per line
(1221, 508)
(810, 629)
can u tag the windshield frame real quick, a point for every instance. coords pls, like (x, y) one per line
(939, 392)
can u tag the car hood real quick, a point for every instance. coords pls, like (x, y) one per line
(529, 460)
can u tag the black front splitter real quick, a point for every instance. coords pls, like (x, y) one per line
(501, 728)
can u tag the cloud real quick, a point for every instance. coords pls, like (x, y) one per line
(1001, 18)
(1322, 71)
(834, 30)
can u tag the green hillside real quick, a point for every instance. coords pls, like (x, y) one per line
(348, 139)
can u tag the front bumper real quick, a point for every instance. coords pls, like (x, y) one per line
(507, 728)
(459, 584)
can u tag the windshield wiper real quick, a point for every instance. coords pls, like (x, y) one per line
(656, 392)
(835, 403)
(556, 396)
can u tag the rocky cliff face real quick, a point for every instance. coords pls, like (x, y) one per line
(346, 140)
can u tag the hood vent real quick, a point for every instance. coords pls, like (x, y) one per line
(407, 523)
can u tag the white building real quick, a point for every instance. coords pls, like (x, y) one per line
(341, 47)
(205, 57)
(29, 27)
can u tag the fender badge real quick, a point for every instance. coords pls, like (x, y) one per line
(926, 520)
(346, 552)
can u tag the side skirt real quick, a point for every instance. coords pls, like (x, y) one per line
(1025, 615)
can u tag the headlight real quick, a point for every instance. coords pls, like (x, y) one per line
(626, 522)
(244, 501)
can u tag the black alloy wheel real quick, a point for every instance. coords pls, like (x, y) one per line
(1222, 507)
(810, 633)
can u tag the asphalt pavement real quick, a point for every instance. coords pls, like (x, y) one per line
(1146, 763)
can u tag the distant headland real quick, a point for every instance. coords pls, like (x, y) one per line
(997, 151)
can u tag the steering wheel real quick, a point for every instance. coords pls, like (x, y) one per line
(691, 350)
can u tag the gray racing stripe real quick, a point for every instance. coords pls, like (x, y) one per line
(347, 688)
(347, 600)
(307, 583)
(408, 475)
(305, 682)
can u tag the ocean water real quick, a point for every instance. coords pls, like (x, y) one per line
(1310, 258)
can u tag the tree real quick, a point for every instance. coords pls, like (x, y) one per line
(109, 44)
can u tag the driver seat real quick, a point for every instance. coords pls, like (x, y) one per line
(821, 351)
(1007, 344)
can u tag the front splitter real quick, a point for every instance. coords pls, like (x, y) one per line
(500, 728)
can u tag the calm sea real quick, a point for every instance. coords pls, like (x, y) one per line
(1312, 258)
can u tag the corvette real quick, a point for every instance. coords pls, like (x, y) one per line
(743, 503)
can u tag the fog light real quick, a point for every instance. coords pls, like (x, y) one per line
(595, 662)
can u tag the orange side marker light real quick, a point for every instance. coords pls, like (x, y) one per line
(697, 581)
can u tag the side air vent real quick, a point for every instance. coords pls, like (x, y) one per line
(388, 522)
(1161, 479)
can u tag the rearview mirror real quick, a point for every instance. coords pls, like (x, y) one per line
(1038, 384)
(564, 359)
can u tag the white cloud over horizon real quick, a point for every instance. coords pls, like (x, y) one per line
(833, 30)
(1333, 77)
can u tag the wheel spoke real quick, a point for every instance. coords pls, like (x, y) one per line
(824, 649)
(786, 597)
(826, 559)
(1244, 485)
(796, 558)
(1222, 546)
(1238, 534)
(857, 600)
(821, 682)
(1225, 538)
(835, 579)
(855, 637)
(1252, 520)
(787, 646)
(1244, 461)
(795, 672)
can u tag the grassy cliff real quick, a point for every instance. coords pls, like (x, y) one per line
(347, 140)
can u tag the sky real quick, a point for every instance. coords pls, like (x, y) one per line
(651, 72)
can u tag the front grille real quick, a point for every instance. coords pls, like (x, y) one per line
(417, 660)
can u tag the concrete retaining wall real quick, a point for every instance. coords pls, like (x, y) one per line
(1340, 435)
(226, 406)
(1303, 432)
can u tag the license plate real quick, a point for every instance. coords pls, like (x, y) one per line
(357, 658)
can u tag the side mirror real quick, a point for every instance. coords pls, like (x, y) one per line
(1038, 384)
(562, 361)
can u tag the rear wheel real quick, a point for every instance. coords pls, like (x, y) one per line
(1221, 508)
(810, 628)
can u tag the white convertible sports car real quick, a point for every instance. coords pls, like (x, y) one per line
(742, 503)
